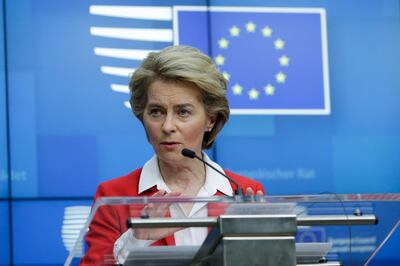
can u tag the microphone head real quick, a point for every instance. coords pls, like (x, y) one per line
(188, 153)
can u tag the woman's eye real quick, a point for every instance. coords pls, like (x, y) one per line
(155, 112)
(184, 112)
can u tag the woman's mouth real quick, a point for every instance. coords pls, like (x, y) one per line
(170, 145)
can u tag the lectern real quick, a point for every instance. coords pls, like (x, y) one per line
(351, 229)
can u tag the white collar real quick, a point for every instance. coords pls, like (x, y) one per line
(151, 176)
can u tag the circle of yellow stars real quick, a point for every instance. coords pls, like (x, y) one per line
(279, 44)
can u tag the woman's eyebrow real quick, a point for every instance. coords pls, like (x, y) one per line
(183, 105)
(154, 105)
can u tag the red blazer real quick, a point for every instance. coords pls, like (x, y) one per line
(109, 222)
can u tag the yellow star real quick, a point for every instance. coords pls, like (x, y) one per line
(269, 89)
(280, 77)
(226, 75)
(237, 89)
(267, 31)
(284, 60)
(219, 60)
(223, 43)
(253, 94)
(234, 31)
(251, 27)
(279, 44)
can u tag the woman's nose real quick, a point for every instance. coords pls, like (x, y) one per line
(169, 124)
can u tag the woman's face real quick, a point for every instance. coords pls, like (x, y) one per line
(175, 118)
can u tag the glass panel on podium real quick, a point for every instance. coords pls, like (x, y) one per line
(352, 229)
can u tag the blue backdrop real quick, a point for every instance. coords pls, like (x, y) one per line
(64, 125)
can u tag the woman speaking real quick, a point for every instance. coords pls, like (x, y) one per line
(180, 97)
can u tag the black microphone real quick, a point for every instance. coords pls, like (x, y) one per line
(191, 154)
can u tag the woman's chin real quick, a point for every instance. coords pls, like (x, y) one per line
(170, 156)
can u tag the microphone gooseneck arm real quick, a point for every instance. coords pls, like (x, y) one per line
(191, 154)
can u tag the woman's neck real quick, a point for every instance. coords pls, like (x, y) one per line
(186, 178)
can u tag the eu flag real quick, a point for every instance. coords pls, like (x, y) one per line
(275, 59)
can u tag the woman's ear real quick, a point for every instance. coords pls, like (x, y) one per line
(211, 123)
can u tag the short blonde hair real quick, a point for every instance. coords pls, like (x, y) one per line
(183, 64)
